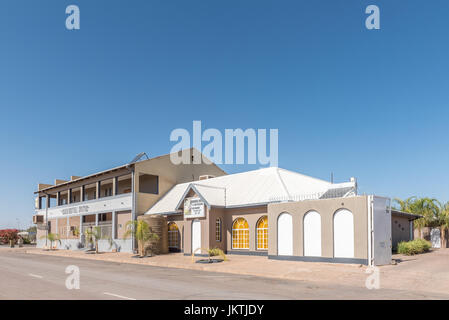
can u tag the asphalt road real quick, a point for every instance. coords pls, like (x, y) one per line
(28, 276)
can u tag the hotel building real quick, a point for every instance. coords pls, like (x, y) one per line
(270, 212)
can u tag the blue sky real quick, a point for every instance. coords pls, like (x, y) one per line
(370, 104)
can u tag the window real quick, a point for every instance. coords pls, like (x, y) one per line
(262, 233)
(240, 234)
(218, 230)
(173, 235)
(148, 184)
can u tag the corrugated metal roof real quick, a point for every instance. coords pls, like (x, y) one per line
(247, 188)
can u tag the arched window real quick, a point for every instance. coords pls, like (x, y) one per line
(262, 233)
(312, 234)
(173, 235)
(218, 230)
(240, 234)
(343, 234)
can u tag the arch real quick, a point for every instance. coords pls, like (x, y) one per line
(262, 233)
(196, 235)
(312, 234)
(173, 235)
(343, 223)
(285, 234)
(240, 234)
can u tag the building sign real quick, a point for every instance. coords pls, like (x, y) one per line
(109, 204)
(75, 210)
(193, 208)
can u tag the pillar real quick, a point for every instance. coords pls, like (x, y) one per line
(97, 194)
(114, 186)
(114, 225)
(81, 227)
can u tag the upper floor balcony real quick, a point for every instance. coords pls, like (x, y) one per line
(121, 202)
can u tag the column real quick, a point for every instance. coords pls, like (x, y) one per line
(97, 195)
(96, 219)
(82, 190)
(81, 227)
(69, 196)
(114, 225)
(58, 198)
(114, 186)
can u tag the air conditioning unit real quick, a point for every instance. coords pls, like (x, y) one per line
(38, 218)
(206, 176)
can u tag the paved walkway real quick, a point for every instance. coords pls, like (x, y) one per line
(427, 272)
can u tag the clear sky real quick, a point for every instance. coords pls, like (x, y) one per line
(366, 103)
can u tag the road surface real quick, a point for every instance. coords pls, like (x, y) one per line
(29, 276)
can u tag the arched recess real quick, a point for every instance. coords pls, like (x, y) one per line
(196, 236)
(343, 234)
(285, 234)
(312, 234)
(173, 236)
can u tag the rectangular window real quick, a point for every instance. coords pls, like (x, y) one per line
(218, 230)
(148, 184)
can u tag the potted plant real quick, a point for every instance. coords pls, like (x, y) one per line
(142, 233)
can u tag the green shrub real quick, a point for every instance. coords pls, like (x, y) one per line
(217, 252)
(416, 246)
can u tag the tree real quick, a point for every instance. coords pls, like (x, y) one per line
(8, 235)
(52, 237)
(142, 233)
(428, 208)
(404, 205)
(92, 236)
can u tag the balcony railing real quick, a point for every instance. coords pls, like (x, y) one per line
(120, 202)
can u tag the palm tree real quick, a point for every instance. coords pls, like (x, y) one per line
(404, 205)
(142, 232)
(93, 235)
(429, 208)
(52, 237)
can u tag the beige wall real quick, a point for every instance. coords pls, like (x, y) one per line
(169, 175)
(326, 208)
(122, 219)
(252, 216)
(400, 230)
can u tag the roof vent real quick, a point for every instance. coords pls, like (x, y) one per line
(206, 176)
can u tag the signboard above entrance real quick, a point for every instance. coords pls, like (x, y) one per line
(193, 208)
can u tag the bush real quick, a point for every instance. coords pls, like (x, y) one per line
(8, 234)
(416, 246)
(217, 252)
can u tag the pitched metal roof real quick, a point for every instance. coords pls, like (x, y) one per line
(250, 188)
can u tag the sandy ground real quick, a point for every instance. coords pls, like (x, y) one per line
(426, 272)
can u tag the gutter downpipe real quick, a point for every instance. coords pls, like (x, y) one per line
(370, 230)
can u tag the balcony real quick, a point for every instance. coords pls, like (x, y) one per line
(119, 202)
